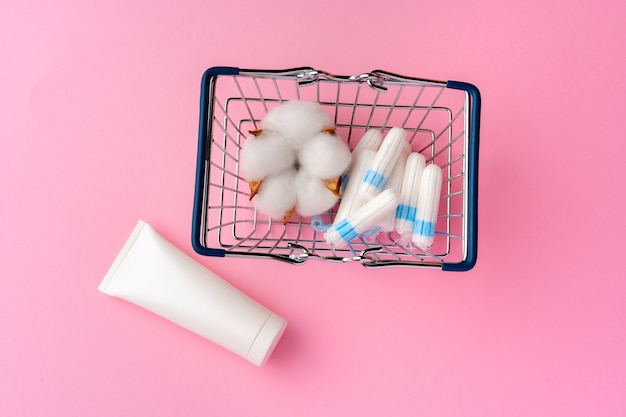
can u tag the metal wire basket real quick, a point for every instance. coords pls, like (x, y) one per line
(441, 120)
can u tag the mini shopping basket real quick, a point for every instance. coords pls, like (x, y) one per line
(441, 120)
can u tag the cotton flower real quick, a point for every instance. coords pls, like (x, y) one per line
(325, 156)
(297, 121)
(276, 197)
(312, 195)
(264, 155)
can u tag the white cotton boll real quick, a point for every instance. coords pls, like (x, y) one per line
(265, 155)
(312, 196)
(277, 195)
(297, 121)
(325, 156)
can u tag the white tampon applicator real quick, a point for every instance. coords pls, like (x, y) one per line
(364, 218)
(388, 223)
(375, 179)
(427, 207)
(370, 140)
(350, 199)
(405, 213)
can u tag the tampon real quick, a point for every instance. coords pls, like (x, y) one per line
(350, 199)
(388, 223)
(154, 274)
(375, 179)
(363, 219)
(405, 213)
(370, 140)
(427, 207)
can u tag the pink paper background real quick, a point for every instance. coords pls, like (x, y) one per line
(98, 124)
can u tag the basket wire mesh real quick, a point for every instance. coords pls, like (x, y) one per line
(441, 120)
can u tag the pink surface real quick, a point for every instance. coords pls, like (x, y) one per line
(98, 121)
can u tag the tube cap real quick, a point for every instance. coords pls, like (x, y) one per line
(267, 339)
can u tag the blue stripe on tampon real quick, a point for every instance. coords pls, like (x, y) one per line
(424, 228)
(405, 212)
(346, 231)
(375, 178)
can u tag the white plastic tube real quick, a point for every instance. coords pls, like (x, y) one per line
(152, 273)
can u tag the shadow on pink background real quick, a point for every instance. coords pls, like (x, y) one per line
(98, 125)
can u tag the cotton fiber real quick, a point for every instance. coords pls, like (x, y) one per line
(276, 197)
(265, 155)
(312, 195)
(325, 156)
(297, 121)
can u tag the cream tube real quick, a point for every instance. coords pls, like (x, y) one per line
(152, 273)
